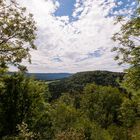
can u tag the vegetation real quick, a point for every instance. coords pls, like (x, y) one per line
(129, 50)
(86, 106)
(77, 82)
(17, 34)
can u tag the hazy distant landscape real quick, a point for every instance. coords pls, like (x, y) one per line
(48, 76)
(58, 76)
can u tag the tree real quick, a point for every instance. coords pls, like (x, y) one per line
(70, 135)
(91, 130)
(21, 100)
(135, 134)
(129, 49)
(17, 34)
(128, 39)
(101, 104)
(63, 116)
(127, 113)
(128, 52)
(117, 132)
(23, 134)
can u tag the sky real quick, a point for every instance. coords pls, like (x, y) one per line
(75, 35)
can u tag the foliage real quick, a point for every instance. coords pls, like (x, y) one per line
(131, 80)
(128, 52)
(135, 132)
(103, 112)
(91, 130)
(70, 135)
(101, 104)
(17, 36)
(24, 133)
(129, 48)
(76, 83)
(21, 99)
(127, 113)
(117, 132)
(128, 38)
(63, 116)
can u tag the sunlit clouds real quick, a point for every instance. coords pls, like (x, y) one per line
(77, 42)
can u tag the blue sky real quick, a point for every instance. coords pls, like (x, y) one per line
(75, 35)
(66, 8)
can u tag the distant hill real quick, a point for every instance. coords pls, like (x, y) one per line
(76, 82)
(48, 76)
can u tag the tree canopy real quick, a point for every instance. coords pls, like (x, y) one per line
(17, 34)
(128, 50)
(129, 39)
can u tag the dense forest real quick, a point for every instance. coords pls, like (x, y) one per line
(98, 105)
(78, 81)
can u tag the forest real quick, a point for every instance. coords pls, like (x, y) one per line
(92, 105)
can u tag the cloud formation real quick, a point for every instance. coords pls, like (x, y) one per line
(80, 44)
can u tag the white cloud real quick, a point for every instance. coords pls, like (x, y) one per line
(72, 41)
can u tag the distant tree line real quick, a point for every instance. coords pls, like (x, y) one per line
(78, 81)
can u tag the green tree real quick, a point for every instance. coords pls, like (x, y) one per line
(101, 104)
(91, 130)
(71, 123)
(129, 49)
(23, 134)
(135, 132)
(63, 116)
(17, 34)
(127, 113)
(71, 135)
(45, 124)
(21, 100)
(117, 132)
(128, 52)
